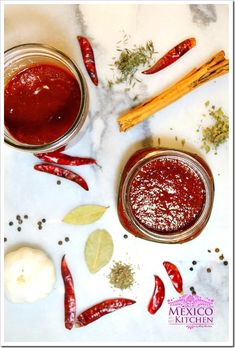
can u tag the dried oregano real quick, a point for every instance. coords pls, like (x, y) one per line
(121, 275)
(218, 133)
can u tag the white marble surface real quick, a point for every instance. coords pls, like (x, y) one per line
(36, 194)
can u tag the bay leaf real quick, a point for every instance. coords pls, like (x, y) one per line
(85, 214)
(98, 250)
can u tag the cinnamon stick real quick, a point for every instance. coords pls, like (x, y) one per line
(216, 66)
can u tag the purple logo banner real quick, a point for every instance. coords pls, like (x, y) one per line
(191, 311)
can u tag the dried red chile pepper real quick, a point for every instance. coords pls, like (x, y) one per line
(61, 158)
(69, 296)
(62, 172)
(88, 58)
(171, 56)
(174, 275)
(100, 309)
(157, 296)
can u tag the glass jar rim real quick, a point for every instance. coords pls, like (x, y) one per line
(73, 68)
(175, 236)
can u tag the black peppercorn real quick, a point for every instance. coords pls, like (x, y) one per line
(10, 223)
(191, 268)
(18, 229)
(66, 239)
(225, 263)
(60, 242)
(194, 262)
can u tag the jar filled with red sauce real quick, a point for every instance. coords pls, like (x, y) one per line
(45, 99)
(165, 195)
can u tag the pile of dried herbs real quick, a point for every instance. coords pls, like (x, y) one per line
(218, 133)
(121, 275)
(128, 62)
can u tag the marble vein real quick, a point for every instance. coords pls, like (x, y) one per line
(203, 14)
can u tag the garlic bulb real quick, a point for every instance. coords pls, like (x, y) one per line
(29, 275)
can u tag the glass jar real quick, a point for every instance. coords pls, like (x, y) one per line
(21, 57)
(165, 195)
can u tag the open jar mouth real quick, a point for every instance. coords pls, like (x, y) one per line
(20, 57)
(198, 166)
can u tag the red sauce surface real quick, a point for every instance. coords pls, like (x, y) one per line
(41, 104)
(166, 195)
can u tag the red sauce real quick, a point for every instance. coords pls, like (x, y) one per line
(41, 104)
(166, 195)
